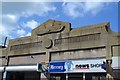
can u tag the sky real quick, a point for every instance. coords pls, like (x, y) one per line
(19, 18)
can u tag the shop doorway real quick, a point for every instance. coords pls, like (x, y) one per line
(95, 76)
(23, 75)
(58, 76)
(75, 76)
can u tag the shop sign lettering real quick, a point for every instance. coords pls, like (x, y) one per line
(95, 65)
(56, 67)
(87, 66)
(82, 66)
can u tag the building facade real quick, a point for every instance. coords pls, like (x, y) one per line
(84, 53)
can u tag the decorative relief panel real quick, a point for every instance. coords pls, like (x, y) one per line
(51, 26)
(47, 43)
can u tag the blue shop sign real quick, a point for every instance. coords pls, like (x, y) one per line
(56, 67)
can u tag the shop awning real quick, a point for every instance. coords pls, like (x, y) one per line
(22, 68)
(19, 68)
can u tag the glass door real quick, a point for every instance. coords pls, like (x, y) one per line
(23, 75)
(95, 76)
(75, 76)
(58, 76)
(15, 76)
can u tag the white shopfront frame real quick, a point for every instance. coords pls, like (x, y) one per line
(116, 62)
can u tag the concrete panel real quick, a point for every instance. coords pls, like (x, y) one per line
(89, 53)
(30, 59)
(116, 50)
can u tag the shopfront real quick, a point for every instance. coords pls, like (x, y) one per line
(28, 72)
(92, 69)
(26, 75)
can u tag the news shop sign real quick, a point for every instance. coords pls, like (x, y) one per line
(92, 65)
(56, 67)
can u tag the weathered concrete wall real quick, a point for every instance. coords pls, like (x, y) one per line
(116, 50)
(58, 41)
(3, 61)
(56, 36)
(78, 54)
(27, 59)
